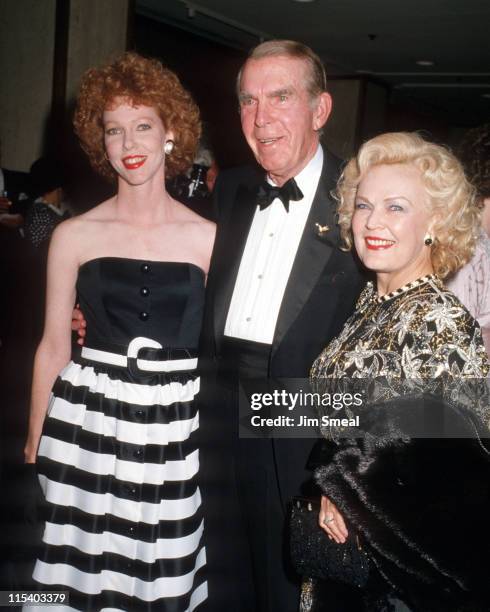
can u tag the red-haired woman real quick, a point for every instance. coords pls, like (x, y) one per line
(114, 434)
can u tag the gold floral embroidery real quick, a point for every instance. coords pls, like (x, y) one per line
(418, 331)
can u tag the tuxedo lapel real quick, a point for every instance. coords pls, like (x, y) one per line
(235, 235)
(314, 250)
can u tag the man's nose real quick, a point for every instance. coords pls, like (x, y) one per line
(262, 114)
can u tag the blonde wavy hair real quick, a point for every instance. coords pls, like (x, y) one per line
(145, 82)
(451, 196)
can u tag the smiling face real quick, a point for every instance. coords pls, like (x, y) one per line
(391, 219)
(279, 119)
(134, 138)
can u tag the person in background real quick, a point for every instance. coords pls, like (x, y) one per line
(212, 175)
(472, 282)
(195, 188)
(14, 187)
(48, 204)
(408, 208)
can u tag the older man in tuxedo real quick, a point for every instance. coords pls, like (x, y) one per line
(279, 289)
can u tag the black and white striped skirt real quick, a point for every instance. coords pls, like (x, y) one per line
(118, 463)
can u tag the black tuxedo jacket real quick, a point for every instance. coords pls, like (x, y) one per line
(320, 295)
(247, 483)
(322, 288)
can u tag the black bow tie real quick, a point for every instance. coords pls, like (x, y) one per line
(267, 193)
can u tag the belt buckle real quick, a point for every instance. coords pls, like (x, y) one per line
(134, 347)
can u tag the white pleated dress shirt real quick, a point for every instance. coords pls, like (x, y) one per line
(268, 259)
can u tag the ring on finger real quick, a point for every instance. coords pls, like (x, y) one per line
(329, 518)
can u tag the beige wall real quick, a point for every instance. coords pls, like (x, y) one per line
(26, 69)
(97, 30)
(340, 131)
(359, 113)
(374, 112)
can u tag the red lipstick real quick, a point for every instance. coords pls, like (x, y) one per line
(131, 162)
(373, 243)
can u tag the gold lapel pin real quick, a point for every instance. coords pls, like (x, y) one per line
(322, 229)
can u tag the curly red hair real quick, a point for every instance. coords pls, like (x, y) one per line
(146, 82)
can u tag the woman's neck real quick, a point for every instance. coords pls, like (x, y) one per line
(144, 204)
(387, 283)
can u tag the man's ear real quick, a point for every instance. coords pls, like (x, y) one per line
(322, 111)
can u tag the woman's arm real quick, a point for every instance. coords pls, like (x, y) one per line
(53, 352)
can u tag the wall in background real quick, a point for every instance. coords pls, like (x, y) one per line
(27, 34)
(97, 31)
(209, 70)
(34, 62)
(341, 130)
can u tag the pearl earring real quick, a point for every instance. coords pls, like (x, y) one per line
(168, 148)
(428, 240)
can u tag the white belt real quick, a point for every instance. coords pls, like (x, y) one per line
(166, 365)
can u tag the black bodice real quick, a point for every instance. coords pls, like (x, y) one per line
(123, 298)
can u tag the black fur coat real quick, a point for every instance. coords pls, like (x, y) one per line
(421, 505)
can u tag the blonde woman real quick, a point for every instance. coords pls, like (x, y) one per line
(408, 208)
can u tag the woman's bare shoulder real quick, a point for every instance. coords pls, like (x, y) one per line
(186, 214)
(207, 226)
(201, 223)
(204, 230)
(78, 233)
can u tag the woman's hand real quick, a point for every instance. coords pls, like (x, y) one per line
(78, 324)
(331, 521)
(30, 451)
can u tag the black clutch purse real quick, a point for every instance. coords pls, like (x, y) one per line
(314, 555)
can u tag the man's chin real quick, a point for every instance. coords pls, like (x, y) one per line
(269, 165)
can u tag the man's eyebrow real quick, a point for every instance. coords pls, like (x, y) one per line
(281, 92)
(243, 95)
